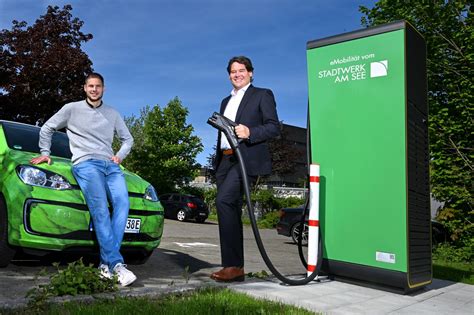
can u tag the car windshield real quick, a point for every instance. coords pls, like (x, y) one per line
(25, 138)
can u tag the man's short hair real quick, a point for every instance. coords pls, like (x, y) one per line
(242, 60)
(94, 75)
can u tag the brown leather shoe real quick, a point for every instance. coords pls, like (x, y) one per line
(229, 274)
(214, 275)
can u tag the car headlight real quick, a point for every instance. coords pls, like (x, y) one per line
(38, 177)
(150, 194)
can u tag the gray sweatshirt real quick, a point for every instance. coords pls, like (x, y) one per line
(90, 131)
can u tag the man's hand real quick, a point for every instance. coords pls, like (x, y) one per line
(242, 131)
(116, 159)
(40, 159)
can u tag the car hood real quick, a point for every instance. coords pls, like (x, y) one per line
(62, 166)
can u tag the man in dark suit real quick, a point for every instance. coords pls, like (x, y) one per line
(254, 109)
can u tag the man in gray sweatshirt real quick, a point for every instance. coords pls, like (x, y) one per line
(90, 125)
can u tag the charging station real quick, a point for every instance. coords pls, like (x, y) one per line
(368, 117)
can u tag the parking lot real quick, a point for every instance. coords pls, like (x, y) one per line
(188, 252)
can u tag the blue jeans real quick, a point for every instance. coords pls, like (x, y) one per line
(103, 181)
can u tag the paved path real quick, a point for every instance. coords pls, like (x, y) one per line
(189, 252)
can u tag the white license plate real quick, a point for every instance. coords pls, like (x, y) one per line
(133, 225)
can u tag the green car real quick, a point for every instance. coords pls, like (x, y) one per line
(42, 208)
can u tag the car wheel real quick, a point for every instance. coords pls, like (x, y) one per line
(295, 233)
(6, 252)
(200, 220)
(181, 215)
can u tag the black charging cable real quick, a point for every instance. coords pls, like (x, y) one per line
(227, 126)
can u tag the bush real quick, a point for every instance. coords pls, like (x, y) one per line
(290, 202)
(267, 203)
(210, 199)
(449, 253)
(459, 225)
(269, 220)
(265, 199)
(75, 279)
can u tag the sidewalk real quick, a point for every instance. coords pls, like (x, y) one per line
(190, 252)
(334, 297)
(331, 297)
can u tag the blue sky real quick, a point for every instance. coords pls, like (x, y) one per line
(151, 51)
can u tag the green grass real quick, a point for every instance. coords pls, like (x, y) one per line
(454, 271)
(207, 301)
(212, 217)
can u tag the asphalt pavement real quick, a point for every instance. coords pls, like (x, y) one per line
(189, 252)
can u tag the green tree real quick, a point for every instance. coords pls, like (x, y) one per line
(447, 27)
(165, 148)
(42, 66)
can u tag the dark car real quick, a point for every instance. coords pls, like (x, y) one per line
(290, 225)
(184, 207)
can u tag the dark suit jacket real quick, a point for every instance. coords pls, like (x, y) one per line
(257, 111)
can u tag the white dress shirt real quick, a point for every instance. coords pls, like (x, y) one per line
(231, 111)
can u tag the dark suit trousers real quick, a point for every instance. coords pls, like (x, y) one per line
(229, 211)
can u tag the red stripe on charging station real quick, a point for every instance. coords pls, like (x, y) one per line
(314, 179)
(313, 222)
(311, 268)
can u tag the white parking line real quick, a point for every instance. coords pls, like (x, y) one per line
(195, 244)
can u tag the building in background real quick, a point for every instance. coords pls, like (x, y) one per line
(289, 158)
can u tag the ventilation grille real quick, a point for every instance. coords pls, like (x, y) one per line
(419, 236)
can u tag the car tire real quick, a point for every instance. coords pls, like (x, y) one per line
(295, 232)
(181, 215)
(6, 252)
(200, 220)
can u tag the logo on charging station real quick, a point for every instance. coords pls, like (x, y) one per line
(353, 68)
(378, 68)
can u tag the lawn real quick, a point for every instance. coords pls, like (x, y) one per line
(454, 271)
(207, 301)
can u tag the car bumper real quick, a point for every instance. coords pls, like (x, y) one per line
(54, 225)
(197, 213)
(283, 229)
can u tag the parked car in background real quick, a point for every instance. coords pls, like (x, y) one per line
(290, 225)
(184, 207)
(42, 209)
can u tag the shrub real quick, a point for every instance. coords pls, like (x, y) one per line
(449, 253)
(75, 279)
(210, 199)
(269, 220)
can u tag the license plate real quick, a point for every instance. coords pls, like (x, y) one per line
(202, 213)
(133, 225)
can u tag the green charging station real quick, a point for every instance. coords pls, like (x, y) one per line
(368, 118)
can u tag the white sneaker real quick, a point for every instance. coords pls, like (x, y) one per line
(125, 276)
(104, 271)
